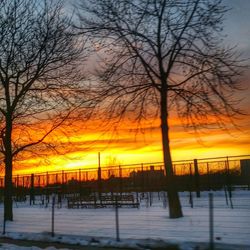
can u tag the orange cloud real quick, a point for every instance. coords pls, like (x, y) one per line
(80, 148)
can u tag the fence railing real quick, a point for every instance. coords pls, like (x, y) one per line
(197, 174)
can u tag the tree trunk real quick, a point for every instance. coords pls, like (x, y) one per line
(175, 210)
(8, 213)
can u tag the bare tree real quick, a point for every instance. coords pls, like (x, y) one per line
(164, 56)
(40, 80)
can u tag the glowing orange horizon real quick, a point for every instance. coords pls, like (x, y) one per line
(128, 148)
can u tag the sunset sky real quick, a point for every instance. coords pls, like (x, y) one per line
(124, 146)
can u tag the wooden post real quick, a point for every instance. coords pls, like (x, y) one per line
(197, 177)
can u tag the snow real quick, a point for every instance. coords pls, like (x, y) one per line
(16, 247)
(139, 228)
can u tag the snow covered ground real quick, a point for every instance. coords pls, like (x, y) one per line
(16, 247)
(146, 226)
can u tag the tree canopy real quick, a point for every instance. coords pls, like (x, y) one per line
(160, 57)
(40, 77)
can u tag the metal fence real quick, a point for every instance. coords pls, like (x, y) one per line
(191, 175)
(41, 202)
(203, 221)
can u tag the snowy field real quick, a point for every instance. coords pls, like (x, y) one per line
(147, 225)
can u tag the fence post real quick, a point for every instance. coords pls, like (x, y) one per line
(228, 182)
(39, 181)
(47, 179)
(143, 178)
(190, 188)
(117, 220)
(53, 217)
(99, 176)
(32, 191)
(197, 176)
(208, 176)
(4, 224)
(120, 179)
(211, 222)
(150, 198)
(62, 177)
(80, 176)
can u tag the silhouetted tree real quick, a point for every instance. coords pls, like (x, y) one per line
(162, 56)
(40, 78)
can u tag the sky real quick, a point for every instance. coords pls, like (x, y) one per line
(124, 146)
